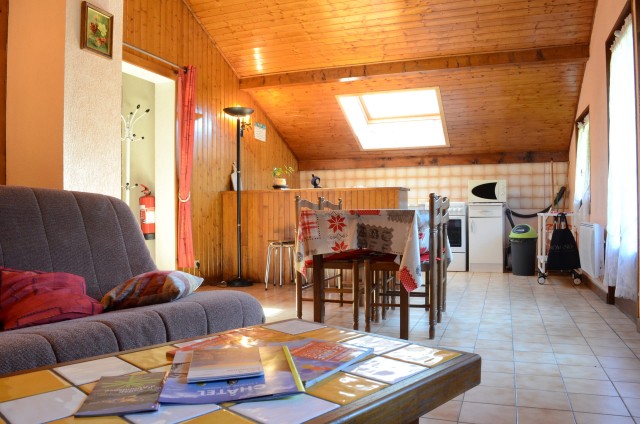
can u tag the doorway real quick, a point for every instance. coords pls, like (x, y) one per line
(152, 159)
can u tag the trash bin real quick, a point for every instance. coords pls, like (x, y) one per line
(523, 249)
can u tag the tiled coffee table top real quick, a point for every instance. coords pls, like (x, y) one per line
(54, 394)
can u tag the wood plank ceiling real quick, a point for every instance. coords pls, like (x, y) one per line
(509, 71)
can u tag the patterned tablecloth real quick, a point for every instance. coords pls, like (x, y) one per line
(403, 232)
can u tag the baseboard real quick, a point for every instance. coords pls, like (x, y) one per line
(595, 287)
(607, 294)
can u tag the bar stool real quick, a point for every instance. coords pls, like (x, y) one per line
(276, 249)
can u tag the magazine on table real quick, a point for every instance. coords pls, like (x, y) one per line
(224, 364)
(123, 394)
(318, 359)
(280, 378)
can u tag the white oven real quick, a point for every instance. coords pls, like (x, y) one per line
(457, 232)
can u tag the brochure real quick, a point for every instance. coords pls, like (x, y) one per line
(386, 370)
(317, 359)
(380, 345)
(123, 394)
(224, 364)
(280, 379)
(422, 355)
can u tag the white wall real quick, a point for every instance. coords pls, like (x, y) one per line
(63, 103)
(594, 96)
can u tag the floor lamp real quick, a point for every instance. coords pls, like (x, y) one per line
(239, 112)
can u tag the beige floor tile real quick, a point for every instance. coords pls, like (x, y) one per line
(493, 395)
(590, 387)
(628, 390)
(537, 369)
(540, 382)
(539, 416)
(577, 371)
(606, 405)
(494, 344)
(633, 405)
(480, 413)
(574, 349)
(450, 411)
(617, 362)
(434, 421)
(497, 379)
(573, 359)
(621, 374)
(532, 347)
(543, 399)
(495, 354)
(498, 366)
(584, 418)
(538, 357)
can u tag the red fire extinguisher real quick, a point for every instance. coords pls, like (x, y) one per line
(147, 213)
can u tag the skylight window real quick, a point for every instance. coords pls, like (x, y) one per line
(396, 119)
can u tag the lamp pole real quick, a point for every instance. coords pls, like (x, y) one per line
(239, 112)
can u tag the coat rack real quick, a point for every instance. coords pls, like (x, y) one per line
(130, 137)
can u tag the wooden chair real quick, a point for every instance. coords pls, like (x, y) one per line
(381, 292)
(338, 262)
(443, 240)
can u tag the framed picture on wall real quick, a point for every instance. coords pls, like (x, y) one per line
(96, 33)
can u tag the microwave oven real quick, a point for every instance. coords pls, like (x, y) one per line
(487, 191)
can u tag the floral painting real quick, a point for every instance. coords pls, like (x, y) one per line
(97, 29)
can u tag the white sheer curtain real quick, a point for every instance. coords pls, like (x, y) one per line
(582, 190)
(621, 263)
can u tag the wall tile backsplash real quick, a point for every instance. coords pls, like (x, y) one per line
(529, 185)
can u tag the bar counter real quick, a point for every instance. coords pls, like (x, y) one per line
(270, 215)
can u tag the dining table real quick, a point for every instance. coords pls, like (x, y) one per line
(400, 232)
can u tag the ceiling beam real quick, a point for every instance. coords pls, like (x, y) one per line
(542, 55)
(433, 160)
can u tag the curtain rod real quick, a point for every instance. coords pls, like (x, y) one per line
(139, 50)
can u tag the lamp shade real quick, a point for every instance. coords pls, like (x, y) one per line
(238, 111)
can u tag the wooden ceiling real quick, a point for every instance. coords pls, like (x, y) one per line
(509, 71)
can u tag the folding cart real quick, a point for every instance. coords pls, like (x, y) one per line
(544, 238)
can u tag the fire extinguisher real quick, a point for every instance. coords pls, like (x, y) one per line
(147, 213)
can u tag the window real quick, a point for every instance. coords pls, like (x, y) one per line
(396, 119)
(621, 263)
(582, 186)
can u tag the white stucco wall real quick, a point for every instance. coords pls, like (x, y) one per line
(92, 102)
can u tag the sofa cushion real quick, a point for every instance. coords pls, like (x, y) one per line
(32, 297)
(151, 288)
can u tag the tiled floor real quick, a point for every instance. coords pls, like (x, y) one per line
(552, 353)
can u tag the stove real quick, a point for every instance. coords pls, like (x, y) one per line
(457, 232)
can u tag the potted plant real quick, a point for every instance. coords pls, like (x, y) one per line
(279, 181)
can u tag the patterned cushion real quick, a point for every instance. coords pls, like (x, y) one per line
(151, 288)
(34, 297)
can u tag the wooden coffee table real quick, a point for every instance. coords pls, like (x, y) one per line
(366, 394)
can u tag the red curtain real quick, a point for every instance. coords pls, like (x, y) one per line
(186, 122)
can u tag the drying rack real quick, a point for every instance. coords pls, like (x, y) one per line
(544, 234)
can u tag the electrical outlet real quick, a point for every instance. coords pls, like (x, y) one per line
(197, 264)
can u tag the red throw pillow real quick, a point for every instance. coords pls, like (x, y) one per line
(35, 297)
(150, 288)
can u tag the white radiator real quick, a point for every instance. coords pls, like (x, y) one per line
(591, 248)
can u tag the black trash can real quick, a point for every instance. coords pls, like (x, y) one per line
(523, 249)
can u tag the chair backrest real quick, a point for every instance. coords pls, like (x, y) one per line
(326, 204)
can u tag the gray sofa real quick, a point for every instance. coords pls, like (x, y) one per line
(97, 237)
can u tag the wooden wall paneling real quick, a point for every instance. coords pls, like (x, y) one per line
(166, 28)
